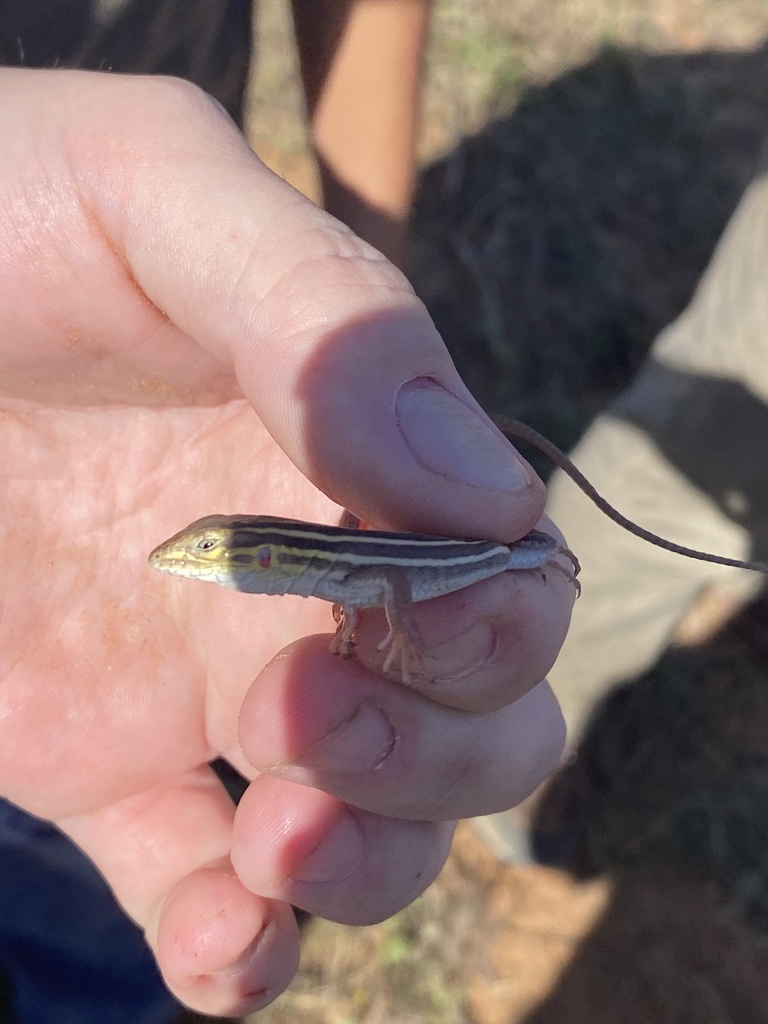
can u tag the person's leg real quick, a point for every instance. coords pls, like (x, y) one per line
(684, 453)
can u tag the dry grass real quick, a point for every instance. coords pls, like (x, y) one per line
(581, 158)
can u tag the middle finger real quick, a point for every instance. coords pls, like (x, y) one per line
(330, 724)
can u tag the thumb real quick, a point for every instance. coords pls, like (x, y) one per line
(327, 339)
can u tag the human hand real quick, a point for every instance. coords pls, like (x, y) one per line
(158, 285)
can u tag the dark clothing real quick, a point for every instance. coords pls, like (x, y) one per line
(208, 42)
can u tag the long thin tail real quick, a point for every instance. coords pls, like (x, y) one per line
(521, 430)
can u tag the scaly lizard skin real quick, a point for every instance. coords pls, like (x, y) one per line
(353, 568)
(357, 569)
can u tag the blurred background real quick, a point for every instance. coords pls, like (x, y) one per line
(579, 160)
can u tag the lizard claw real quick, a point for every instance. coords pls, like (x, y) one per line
(409, 652)
(571, 576)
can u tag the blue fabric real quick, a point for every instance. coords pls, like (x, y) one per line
(69, 952)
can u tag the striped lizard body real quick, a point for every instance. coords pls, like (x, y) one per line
(369, 568)
(352, 568)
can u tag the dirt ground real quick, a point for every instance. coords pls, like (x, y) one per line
(580, 160)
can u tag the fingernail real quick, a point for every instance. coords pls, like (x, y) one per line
(336, 856)
(244, 962)
(445, 436)
(362, 741)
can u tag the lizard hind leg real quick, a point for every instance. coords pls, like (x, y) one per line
(568, 573)
(572, 558)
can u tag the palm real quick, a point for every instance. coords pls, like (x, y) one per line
(112, 671)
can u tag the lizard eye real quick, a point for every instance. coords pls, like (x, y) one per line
(206, 544)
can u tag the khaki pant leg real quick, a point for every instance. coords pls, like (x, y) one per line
(684, 452)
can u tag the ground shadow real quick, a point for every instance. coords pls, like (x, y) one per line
(553, 246)
(668, 798)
